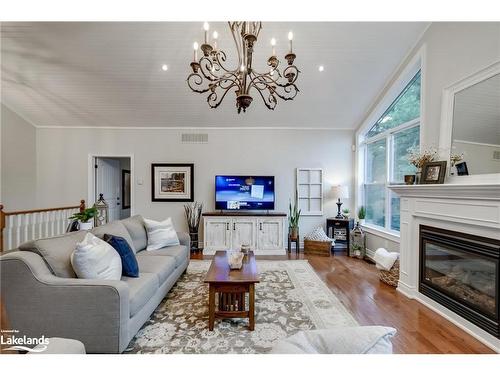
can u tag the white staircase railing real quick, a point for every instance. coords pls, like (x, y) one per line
(21, 226)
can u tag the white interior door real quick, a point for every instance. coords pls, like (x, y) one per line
(108, 183)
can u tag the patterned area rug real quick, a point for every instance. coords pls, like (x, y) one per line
(289, 298)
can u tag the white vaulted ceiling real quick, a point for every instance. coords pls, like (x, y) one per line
(109, 74)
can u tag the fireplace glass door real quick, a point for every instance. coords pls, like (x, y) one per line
(466, 277)
(461, 272)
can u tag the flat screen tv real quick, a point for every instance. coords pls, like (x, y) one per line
(244, 192)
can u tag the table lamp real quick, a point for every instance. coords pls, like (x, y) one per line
(340, 191)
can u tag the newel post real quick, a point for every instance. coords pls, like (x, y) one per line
(82, 205)
(2, 226)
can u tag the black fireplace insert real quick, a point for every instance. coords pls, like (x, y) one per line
(461, 272)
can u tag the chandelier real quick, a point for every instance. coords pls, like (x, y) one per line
(211, 75)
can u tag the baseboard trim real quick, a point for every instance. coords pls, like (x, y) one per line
(476, 332)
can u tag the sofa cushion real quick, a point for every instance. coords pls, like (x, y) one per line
(94, 258)
(179, 253)
(130, 267)
(341, 340)
(136, 229)
(56, 251)
(141, 290)
(115, 228)
(161, 266)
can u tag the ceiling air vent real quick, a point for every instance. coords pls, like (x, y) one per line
(496, 155)
(194, 138)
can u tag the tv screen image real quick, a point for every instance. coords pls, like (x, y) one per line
(244, 192)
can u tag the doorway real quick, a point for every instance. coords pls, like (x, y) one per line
(112, 177)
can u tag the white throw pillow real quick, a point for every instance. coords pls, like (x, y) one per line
(94, 258)
(318, 234)
(160, 234)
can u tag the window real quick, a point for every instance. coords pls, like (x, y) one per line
(385, 147)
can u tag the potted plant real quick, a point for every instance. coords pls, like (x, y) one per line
(346, 212)
(193, 216)
(293, 220)
(361, 214)
(84, 218)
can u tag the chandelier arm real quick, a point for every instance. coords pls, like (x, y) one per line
(290, 89)
(212, 98)
(195, 79)
(271, 102)
(221, 60)
(239, 46)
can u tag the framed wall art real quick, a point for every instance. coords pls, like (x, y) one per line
(172, 182)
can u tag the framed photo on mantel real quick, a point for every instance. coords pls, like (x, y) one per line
(171, 182)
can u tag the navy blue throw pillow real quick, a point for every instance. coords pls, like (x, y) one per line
(130, 267)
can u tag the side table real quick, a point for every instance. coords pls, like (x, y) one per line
(297, 244)
(339, 230)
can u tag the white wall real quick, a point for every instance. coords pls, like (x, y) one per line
(18, 162)
(454, 50)
(63, 159)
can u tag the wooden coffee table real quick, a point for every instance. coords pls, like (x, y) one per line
(231, 287)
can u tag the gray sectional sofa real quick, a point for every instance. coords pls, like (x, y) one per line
(43, 296)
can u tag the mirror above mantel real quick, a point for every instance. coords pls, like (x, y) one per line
(471, 125)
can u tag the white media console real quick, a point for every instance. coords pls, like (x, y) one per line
(264, 232)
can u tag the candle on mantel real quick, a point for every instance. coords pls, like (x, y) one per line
(273, 43)
(195, 47)
(215, 35)
(206, 27)
(290, 37)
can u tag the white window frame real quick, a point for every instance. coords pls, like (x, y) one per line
(385, 99)
(388, 136)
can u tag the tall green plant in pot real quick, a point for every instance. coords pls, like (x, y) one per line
(293, 219)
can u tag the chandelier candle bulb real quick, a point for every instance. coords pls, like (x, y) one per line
(215, 35)
(273, 44)
(206, 27)
(195, 47)
(290, 38)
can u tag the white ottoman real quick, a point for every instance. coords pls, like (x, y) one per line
(343, 340)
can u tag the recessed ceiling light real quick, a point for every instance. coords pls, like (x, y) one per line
(164, 67)
(321, 68)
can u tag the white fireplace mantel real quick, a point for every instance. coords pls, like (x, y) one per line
(465, 208)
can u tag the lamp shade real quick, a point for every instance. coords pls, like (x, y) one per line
(340, 191)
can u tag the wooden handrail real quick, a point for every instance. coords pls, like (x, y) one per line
(3, 214)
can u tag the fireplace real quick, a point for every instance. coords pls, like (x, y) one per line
(461, 272)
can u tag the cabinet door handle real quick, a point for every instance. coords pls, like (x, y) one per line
(234, 226)
(227, 226)
(260, 226)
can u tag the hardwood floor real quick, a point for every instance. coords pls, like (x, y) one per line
(356, 284)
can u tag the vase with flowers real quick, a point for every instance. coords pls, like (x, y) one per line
(418, 158)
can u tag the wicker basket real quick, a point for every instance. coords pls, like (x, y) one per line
(390, 277)
(318, 247)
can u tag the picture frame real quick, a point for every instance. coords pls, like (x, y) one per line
(172, 182)
(126, 189)
(433, 172)
(462, 169)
